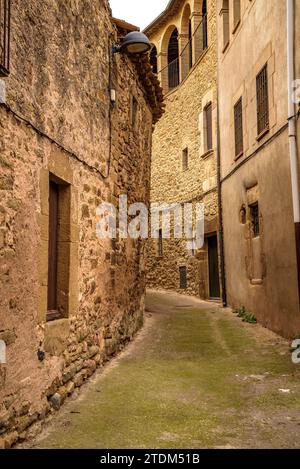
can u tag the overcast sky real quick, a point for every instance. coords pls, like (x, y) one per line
(138, 12)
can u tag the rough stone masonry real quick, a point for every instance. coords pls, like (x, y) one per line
(58, 129)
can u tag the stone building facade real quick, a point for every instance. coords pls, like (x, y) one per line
(259, 237)
(68, 300)
(184, 143)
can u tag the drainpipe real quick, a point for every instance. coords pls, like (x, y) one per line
(292, 128)
(220, 210)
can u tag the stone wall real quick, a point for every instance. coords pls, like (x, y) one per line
(56, 124)
(182, 126)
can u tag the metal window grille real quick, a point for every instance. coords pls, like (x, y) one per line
(208, 119)
(173, 74)
(4, 37)
(183, 277)
(254, 216)
(160, 244)
(262, 101)
(238, 127)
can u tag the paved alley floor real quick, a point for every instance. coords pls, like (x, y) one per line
(195, 377)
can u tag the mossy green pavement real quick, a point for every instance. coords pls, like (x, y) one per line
(195, 377)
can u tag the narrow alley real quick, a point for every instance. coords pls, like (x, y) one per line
(195, 376)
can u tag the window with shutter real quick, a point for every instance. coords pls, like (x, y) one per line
(53, 312)
(262, 97)
(238, 128)
(208, 123)
(4, 37)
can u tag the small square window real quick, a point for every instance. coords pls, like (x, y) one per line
(185, 159)
(133, 111)
(183, 277)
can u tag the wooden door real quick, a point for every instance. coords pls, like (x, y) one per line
(52, 254)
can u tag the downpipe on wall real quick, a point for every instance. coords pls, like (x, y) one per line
(292, 118)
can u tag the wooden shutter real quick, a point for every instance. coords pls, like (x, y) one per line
(262, 101)
(4, 37)
(52, 255)
(208, 114)
(238, 127)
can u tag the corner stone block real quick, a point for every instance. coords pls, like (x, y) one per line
(56, 336)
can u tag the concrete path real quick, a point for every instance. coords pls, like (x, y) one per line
(195, 377)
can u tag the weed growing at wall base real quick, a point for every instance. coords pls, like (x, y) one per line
(245, 315)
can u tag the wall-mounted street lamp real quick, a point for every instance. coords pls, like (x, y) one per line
(133, 43)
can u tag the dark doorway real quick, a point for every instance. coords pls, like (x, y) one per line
(213, 265)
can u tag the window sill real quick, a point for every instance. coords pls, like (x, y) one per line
(237, 157)
(256, 282)
(53, 316)
(263, 133)
(225, 47)
(207, 154)
(235, 27)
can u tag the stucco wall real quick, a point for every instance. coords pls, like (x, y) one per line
(260, 271)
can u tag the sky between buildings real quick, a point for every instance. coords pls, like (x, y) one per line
(138, 12)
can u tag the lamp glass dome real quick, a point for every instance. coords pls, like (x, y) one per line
(135, 43)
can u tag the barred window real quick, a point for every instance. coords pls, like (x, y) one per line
(254, 217)
(183, 278)
(262, 101)
(4, 37)
(238, 127)
(160, 251)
